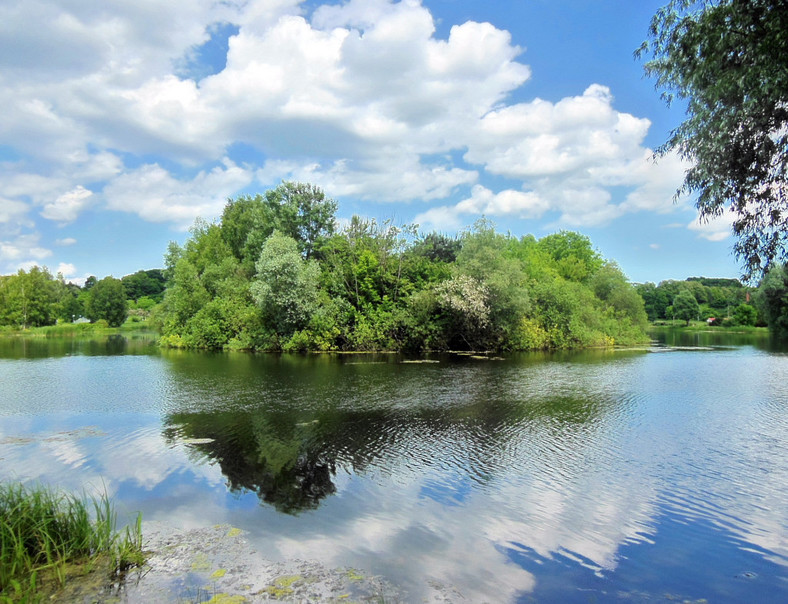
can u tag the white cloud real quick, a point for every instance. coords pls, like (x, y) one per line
(659, 179)
(155, 195)
(68, 206)
(361, 98)
(65, 241)
(483, 201)
(381, 177)
(442, 218)
(21, 251)
(66, 269)
(11, 210)
(714, 229)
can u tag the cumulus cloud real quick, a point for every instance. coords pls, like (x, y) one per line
(21, 251)
(65, 208)
(361, 98)
(713, 229)
(157, 196)
(66, 241)
(11, 210)
(66, 269)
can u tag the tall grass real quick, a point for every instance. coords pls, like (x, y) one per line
(46, 535)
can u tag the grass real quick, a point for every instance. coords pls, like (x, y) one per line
(47, 536)
(74, 329)
(703, 326)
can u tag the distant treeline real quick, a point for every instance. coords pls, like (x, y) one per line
(722, 301)
(715, 297)
(276, 273)
(36, 298)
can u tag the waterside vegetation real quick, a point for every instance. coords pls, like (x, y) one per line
(277, 273)
(47, 537)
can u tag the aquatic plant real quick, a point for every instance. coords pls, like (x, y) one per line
(46, 535)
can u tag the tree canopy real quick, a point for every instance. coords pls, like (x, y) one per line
(275, 274)
(107, 300)
(728, 59)
(685, 306)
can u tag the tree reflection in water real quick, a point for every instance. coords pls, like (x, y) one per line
(267, 454)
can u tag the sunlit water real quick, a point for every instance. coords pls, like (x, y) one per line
(600, 476)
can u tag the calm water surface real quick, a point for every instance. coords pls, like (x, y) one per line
(652, 475)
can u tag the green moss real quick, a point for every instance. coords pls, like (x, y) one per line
(282, 586)
(354, 576)
(201, 563)
(224, 598)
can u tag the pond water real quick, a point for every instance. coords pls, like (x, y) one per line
(631, 475)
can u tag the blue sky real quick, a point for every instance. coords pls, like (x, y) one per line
(124, 121)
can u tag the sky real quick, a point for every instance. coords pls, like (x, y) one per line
(124, 121)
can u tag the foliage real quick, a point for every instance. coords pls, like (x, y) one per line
(729, 60)
(285, 286)
(29, 298)
(298, 210)
(717, 297)
(745, 314)
(274, 274)
(145, 284)
(107, 300)
(773, 300)
(685, 306)
(43, 533)
(575, 259)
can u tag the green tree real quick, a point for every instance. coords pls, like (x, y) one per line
(29, 298)
(285, 286)
(69, 306)
(610, 285)
(485, 256)
(573, 253)
(745, 314)
(298, 210)
(107, 300)
(656, 300)
(685, 306)
(304, 212)
(728, 59)
(150, 283)
(772, 297)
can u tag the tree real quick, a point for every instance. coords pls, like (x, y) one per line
(463, 300)
(29, 298)
(107, 300)
(575, 258)
(298, 210)
(303, 212)
(150, 283)
(729, 60)
(685, 306)
(656, 300)
(285, 287)
(773, 300)
(485, 256)
(745, 314)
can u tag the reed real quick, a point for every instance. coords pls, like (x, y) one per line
(45, 535)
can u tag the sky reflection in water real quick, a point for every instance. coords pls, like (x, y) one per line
(604, 474)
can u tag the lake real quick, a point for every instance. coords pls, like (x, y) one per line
(619, 475)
